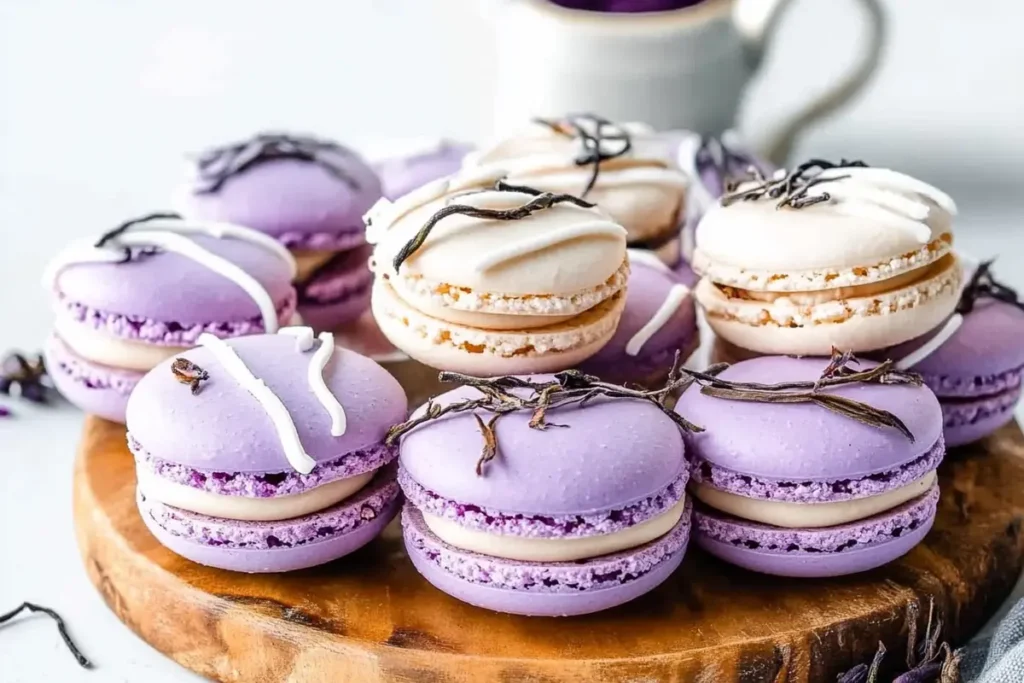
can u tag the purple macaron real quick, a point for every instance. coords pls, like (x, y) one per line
(403, 173)
(794, 489)
(266, 453)
(147, 292)
(307, 193)
(564, 521)
(658, 321)
(976, 372)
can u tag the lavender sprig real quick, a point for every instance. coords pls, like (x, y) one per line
(792, 190)
(593, 150)
(984, 284)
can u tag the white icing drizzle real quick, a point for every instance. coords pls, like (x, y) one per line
(284, 425)
(858, 209)
(179, 244)
(676, 296)
(390, 357)
(888, 179)
(539, 242)
(334, 409)
(568, 181)
(647, 258)
(933, 344)
(303, 337)
(171, 235)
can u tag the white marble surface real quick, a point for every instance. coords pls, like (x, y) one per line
(98, 99)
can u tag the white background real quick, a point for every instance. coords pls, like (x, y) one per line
(99, 98)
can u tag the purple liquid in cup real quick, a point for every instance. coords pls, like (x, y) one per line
(626, 5)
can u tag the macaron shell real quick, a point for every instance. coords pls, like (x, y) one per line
(170, 287)
(443, 344)
(292, 198)
(968, 421)
(96, 389)
(803, 441)
(402, 174)
(223, 428)
(280, 559)
(568, 600)
(756, 236)
(611, 454)
(881, 539)
(987, 343)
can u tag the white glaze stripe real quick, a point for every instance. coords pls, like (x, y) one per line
(576, 180)
(334, 409)
(647, 258)
(535, 244)
(892, 180)
(179, 244)
(856, 209)
(676, 296)
(303, 337)
(933, 344)
(220, 231)
(284, 426)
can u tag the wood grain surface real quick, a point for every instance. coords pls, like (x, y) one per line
(370, 617)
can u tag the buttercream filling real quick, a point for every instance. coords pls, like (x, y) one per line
(553, 549)
(799, 309)
(810, 515)
(308, 261)
(98, 347)
(824, 278)
(589, 327)
(498, 311)
(248, 508)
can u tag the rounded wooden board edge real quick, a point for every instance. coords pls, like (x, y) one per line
(228, 636)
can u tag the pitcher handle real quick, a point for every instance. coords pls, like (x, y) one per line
(756, 21)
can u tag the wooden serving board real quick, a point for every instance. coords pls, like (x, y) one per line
(370, 617)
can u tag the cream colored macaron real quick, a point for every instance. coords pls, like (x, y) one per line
(536, 291)
(847, 256)
(636, 181)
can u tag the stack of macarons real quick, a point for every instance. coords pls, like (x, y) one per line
(265, 453)
(479, 276)
(793, 489)
(147, 290)
(975, 364)
(561, 521)
(624, 168)
(658, 322)
(307, 193)
(826, 256)
(419, 163)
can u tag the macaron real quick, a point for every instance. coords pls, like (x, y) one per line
(624, 168)
(418, 163)
(714, 165)
(477, 276)
(975, 365)
(827, 256)
(146, 290)
(308, 194)
(795, 489)
(562, 521)
(658, 322)
(265, 453)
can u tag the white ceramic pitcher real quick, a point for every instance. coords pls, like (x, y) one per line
(684, 68)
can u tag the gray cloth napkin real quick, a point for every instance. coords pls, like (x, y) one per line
(1000, 658)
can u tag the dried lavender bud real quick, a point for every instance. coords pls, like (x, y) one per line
(28, 376)
(187, 372)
